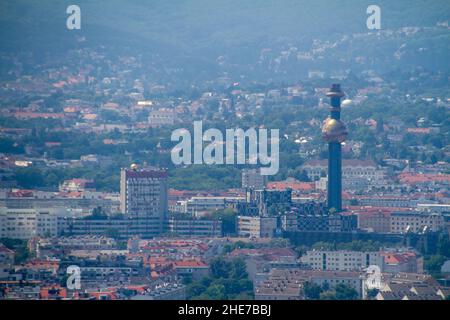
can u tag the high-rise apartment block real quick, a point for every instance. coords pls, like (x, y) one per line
(252, 179)
(143, 194)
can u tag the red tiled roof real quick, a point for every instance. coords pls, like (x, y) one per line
(112, 295)
(174, 192)
(397, 258)
(189, 264)
(138, 288)
(367, 212)
(21, 194)
(370, 208)
(34, 115)
(294, 185)
(418, 130)
(42, 264)
(409, 178)
(53, 292)
(73, 194)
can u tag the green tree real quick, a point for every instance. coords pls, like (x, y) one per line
(328, 295)
(228, 217)
(112, 233)
(434, 263)
(239, 270)
(195, 289)
(372, 293)
(229, 280)
(216, 292)
(443, 246)
(220, 268)
(29, 178)
(312, 291)
(345, 292)
(98, 212)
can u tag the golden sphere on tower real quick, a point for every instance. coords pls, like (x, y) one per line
(334, 130)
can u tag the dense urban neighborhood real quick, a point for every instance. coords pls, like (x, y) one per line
(92, 207)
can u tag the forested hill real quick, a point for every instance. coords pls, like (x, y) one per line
(207, 29)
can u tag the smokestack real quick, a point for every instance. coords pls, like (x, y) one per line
(334, 133)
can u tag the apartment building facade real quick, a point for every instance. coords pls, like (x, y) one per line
(341, 260)
(416, 222)
(256, 227)
(143, 194)
(16, 223)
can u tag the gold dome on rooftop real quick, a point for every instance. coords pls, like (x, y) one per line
(134, 167)
(334, 130)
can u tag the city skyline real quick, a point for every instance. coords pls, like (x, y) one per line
(248, 156)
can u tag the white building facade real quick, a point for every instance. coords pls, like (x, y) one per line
(341, 260)
(28, 223)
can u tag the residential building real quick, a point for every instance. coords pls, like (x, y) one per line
(267, 199)
(161, 117)
(287, 284)
(6, 256)
(86, 242)
(199, 205)
(195, 269)
(123, 226)
(352, 279)
(77, 185)
(143, 194)
(315, 169)
(281, 285)
(341, 260)
(253, 179)
(165, 291)
(105, 272)
(417, 290)
(305, 221)
(77, 203)
(416, 222)
(385, 201)
(27, 223)
(194, 227)
(256, 227)
(401, 261)
(374, 219)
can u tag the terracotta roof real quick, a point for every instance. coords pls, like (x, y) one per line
(21, 193)
(42, 264)
(418, 130)
(190, 264)
(397, 258)
(294, 185)
(410, 178)
(138, 288)
(52, 292)
(111, 295)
